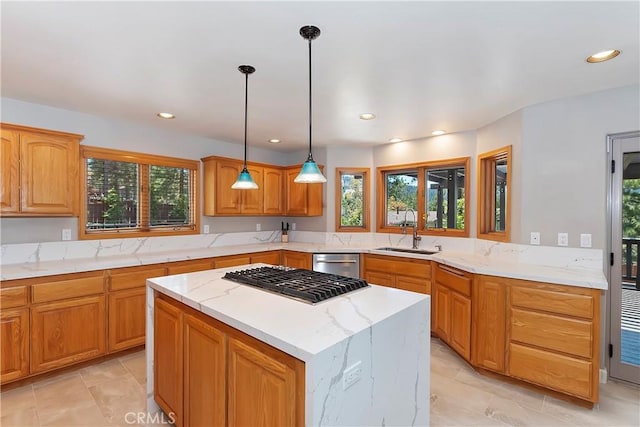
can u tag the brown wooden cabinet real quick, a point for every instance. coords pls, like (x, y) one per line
(489, 323)
(273, 182)
(39, 172)
(297, 259)
(190, 266)
(67, 332)
(270, 257)
(127, 305)
(452, 308)
(301, 199)
(205, 382)
(14, 336)
(396, 272)
(168, 364)
(228, 377)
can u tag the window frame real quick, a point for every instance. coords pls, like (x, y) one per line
(144, 161)
(421, 169)
(366, 190)
(486, 190)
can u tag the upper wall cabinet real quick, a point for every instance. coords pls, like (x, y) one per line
(39, 174)
(220, 199)
(302, 199)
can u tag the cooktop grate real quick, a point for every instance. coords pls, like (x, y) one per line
(306, 285)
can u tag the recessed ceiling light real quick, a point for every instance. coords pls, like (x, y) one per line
(367, 116)
(274, 141)
(438, 132)
(395, 140)
(166, 116)
(605, 55)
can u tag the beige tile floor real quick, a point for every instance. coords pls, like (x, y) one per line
(103, 394)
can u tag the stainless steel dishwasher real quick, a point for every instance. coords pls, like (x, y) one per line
(344, 264)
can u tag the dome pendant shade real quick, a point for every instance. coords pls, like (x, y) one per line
(310, 172)
(244, 181)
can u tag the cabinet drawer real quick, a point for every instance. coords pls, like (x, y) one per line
(65, 289)
(392, 264)
(232, 261)
(553, 301)
(133, 278)
(553, 332)
(453, 279)
(13, 297)
(413, 284)
(382, 279)
(189, 267)
(561, 373)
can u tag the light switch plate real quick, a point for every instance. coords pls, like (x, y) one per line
(563, 239)
(585, 240)
(535, 238)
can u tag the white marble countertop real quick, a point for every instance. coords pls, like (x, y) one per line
(268, 317)
(571, 275)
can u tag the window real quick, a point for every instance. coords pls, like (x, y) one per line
(431, 196)
(132, 194)
(494, 200)
(352, 207)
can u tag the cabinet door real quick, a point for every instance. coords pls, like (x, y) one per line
(442, 315)
(48, 174)
(253, 200)
(296, 259)
(273, 189)
(9, 158)
(227, 200)
(262, 387)
(14, 335)
(460, 336)
(413, 284)
(204, 373)
(67, 332)
(167, 352)
(489, 323)
(127, 319)
(296, 197)
(382, 279)
(232, 261)
(272, 257)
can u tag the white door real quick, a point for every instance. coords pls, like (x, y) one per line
(624, 280)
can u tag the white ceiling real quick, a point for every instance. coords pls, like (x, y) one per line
(418, 66)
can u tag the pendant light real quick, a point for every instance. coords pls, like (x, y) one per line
(244, 181)
(310, 172)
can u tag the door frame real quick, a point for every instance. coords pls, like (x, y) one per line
(613, 294)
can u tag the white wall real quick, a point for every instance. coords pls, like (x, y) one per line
(118, 134)
(564, 163)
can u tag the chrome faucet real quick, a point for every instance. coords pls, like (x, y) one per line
(416, 238)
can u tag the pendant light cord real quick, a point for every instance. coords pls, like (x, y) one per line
(310, 158)
(246, 102)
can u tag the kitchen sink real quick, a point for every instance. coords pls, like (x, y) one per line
(407, 250)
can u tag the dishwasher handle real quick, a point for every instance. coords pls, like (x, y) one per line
(336, 261)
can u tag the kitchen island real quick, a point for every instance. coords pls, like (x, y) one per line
(363, 356)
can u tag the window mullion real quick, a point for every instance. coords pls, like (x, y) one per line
(143, 201)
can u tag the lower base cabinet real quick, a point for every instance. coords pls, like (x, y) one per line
(67, 332)
(228, 378)
(14, 336)
(127, 318)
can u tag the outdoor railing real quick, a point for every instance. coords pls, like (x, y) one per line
(630, 253)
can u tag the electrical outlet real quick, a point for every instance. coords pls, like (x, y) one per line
(563, 239)
(352, 375)
(535, 238)
(258, 227)
(205, 229)
(293, 226)
(66, 234)
(585, 240)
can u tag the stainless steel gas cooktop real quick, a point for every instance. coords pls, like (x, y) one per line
(305, 285)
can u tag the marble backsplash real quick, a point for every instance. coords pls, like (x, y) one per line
(508, 252)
